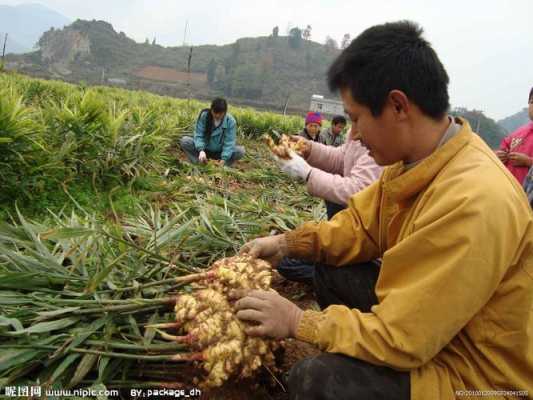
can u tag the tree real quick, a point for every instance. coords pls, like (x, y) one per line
(346, 39)
(307, 32)
(486, 127)
(295, 38)
(275, 32)
(146, 41)
(153, 42)
(211, 70)
(331, 44)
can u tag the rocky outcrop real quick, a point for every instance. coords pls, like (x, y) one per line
(64, 46)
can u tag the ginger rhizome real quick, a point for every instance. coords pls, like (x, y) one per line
(282, 149)
(210, 327)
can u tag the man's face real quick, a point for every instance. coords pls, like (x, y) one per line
(380, 134)
(531, 108)
(337, 128)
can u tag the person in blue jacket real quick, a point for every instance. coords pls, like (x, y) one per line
(215, 136)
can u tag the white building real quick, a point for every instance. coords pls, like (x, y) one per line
(327, 107)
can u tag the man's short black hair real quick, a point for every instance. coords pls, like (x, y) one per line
(338, 119)
(388, 57)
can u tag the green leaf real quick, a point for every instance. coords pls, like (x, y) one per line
(47, 314)
(18, 357)
(134, 326)
(84, 367)
(102, 365)
(149, 333)
(68, 233)
(84, 333)
(63, 366)
(15, 323)
(100, 388)
(43, 327)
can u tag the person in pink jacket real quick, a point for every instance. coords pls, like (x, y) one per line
(516, 150)
(333, 174)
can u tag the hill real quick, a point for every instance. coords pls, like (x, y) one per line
(486, 127)
(26, 23)
(256, 71)
(514, 121)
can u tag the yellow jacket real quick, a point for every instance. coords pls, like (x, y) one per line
(455, 289)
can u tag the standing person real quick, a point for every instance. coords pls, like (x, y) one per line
(215, 136)
(333, 174)
(333, 135)
(313, 122)
(516, 150)
(450, 310)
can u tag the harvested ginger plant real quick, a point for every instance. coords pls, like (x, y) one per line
(282, 149)
(211, 328)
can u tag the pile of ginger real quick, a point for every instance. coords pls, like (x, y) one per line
(211, 328)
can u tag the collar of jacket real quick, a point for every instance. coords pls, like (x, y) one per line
(399, 185)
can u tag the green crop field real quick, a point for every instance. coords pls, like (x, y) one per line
(99, 216)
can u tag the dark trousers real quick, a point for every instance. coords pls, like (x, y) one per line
(300, 270)
(333, 208)
(187, 145)
(336, 376)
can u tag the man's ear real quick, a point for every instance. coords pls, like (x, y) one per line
(399, 103)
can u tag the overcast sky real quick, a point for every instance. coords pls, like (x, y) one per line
(485, 45)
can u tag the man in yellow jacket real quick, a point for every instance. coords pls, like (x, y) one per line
(449, 314)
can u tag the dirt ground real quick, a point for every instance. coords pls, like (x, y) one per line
(168, 74)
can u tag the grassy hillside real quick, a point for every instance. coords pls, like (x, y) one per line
(264, 70)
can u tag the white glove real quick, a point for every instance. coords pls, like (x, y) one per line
(202, 157)
(295, 167)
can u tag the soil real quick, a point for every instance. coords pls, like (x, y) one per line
(168, 74)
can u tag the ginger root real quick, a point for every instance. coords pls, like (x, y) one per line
(211, 327)
(282, 150)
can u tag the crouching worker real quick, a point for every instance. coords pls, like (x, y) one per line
(215, 136)
(451, 307)
(333, 174)
(333, 136)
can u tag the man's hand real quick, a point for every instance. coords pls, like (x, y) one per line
(520, 160)
(202, 157)
(295, 167)
(276, 317)
(269, 248)
(304, 145)
(502, 155)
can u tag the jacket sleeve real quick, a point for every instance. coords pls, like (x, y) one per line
(506, 143)
(327, 158)
(337, 188)
(199, 138)
(350, 237)
(230, 139)
(322, 137)
(441, 275)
